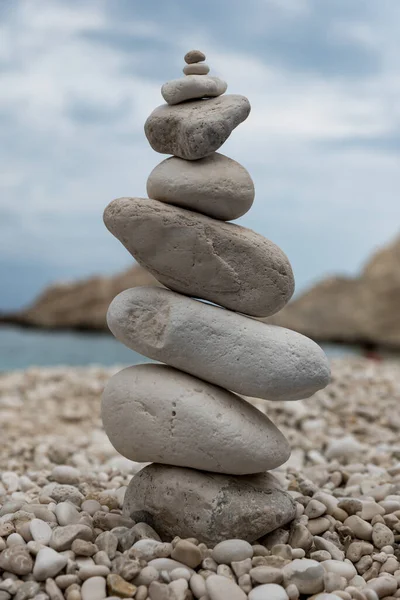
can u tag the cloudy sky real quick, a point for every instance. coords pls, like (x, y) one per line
(78, 78)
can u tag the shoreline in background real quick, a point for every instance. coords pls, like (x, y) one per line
(21, 348)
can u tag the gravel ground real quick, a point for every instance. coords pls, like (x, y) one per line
(62, 485)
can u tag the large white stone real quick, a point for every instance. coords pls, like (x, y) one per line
(192, 87)
(195, 129)
(202, 257)
(156, 413)
(219, 346)
(216, 186)
(208, 506)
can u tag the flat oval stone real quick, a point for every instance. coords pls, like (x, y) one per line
(195, 129)
(216, 186)
(196, 69)
(208, 506)
(232, 550)
(192, 87)
(159, 414)
(194, 56)
(219, 346)
(201, 257)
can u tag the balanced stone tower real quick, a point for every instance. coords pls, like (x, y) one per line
(210, 449)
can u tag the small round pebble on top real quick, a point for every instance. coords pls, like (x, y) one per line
(194, 56)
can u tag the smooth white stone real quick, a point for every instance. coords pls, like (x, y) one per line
(306, 574)
(48, 563)
(222, 347)
(40, 531)
(159, 414)
(232, 550)
(67, 514)
(222, 588)
(268, 591)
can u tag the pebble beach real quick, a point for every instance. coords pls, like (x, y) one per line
(63, 534)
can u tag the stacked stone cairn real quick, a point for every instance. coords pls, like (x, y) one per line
(210, 449)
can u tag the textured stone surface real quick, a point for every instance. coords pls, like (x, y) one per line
(219, 346)
(156, 413)
(195, 129)
(194, 56)
(216, 186)
(192, 87)
(196, 69)
(201, 257)
(16, 560)
(208, 506)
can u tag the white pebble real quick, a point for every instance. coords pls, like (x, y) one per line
(232, 550)
(90, 506)
(268, 591)
(48, 563)
(343, 568)
(94, 589)
(222, 588)
(198, 585)
(65, 474)
(67, 514)
(15, 539)
(306, 574)
(40, 531)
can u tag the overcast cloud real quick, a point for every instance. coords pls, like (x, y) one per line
(79, 78)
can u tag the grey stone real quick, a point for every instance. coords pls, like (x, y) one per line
(154, 413)
(144, 531)
(108, 542)
(195, 129)
(219, 346)
(196, 69)
(216, 186)
(16, 560)
(201, 257)
(208, 506)
(192, 87)
(62, 537)
(27, 590)
(194, 56)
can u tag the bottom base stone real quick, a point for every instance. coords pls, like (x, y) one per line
(211, 507)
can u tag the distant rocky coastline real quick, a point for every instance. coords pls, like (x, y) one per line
(80, 305)
(362, 310)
